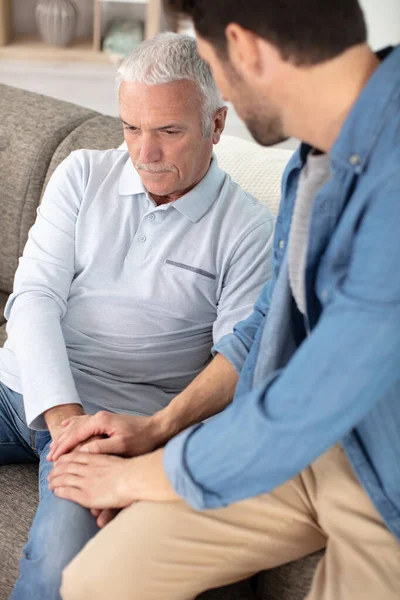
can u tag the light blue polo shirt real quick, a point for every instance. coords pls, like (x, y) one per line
(117, 301)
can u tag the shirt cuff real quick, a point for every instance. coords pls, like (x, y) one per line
(231, 347)
(179, 475)
(35, 419)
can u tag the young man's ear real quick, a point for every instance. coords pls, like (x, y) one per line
(242, 49)
(252, 56)
(219, 120)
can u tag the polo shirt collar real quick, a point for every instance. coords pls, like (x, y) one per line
(130, 182)
(193, 205)
(196, 203)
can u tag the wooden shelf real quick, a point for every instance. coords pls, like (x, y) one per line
(156, 19)
(6, 22)
(32, 48)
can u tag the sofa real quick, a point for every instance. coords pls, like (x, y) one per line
(36, 133)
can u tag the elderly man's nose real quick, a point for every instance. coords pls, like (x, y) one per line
(149, 152)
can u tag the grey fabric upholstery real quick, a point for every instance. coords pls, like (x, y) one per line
(31, 128)
(98, 133)
(18, 498)
(288, 582)
(36, 133)
(3, 335)
(244, 590)
(3, 300)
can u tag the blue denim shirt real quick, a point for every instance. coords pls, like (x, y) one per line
(306, 384)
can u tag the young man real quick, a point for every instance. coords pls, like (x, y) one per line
(308, 453)
(138, 262)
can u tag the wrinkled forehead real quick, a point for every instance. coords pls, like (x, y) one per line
(176, 99)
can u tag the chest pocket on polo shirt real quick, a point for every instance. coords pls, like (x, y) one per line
(193, 289)
(191, 268)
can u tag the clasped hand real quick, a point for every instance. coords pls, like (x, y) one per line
(123, 435)
(82, 470)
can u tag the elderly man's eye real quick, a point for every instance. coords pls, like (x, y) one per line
(171, 132)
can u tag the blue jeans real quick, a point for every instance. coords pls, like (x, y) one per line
(60, 528)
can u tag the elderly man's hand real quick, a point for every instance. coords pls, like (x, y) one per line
(122, 435)
(102, 482)
(104, 516)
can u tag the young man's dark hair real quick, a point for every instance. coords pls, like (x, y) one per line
(306, 33)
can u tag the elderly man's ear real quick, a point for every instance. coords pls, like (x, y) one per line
(219, 119)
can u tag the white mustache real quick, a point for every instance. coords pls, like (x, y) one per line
(155, 168)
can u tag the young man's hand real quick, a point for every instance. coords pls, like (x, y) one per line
(109, 482)
(122, 435)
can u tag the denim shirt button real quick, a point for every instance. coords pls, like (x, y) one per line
(354, 160)
(281, 244)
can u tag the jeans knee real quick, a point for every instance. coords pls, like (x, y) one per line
(59, 532)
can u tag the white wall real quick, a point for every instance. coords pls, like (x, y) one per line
(383, 20)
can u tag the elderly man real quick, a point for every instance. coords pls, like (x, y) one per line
(137, 263)
(306, 456)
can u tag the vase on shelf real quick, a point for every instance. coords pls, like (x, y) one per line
(56, 21)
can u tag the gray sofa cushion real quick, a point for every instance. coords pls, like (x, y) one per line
(18, 499)
(3, 300)
(237, 591)
(3, 335)
(98, 133)
(31, 129)
(288, 582)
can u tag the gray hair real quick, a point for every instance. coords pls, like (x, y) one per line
(172, 57)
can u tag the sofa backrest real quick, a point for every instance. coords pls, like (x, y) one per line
(256, 169)
(36, 133)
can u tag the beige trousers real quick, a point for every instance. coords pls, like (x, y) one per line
(169, 551)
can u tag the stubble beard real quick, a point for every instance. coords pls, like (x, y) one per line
(266, 132)
(266, 129)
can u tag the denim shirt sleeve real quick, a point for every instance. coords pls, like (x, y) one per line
(345, 367)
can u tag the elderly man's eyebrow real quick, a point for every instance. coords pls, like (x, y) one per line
(171, 126)
(162, 128)
(125, 123)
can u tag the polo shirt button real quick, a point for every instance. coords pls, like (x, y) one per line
(151, 217)
(325, 295)
(281, 244)
(142, 239)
